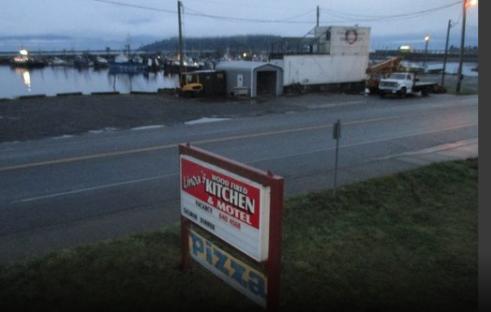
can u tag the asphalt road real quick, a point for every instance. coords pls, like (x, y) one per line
(63, 192)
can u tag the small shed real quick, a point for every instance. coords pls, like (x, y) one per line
(252, 78)
(213, 81)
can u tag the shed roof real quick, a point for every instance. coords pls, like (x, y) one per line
(201, 71)
(243, 65)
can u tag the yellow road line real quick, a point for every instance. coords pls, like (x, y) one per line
(174, 145)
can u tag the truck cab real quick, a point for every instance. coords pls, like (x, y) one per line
(397, 83)
(403, 83)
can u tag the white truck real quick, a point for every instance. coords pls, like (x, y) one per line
(403, 84)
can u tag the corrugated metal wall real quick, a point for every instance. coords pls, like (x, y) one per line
(249, 77)
(323, 69)
(233, 77)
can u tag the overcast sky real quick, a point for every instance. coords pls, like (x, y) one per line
(88, 19)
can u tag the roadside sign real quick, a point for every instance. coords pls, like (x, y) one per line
(336, 135)
(336, 130)
(239, 208)
(233, 208)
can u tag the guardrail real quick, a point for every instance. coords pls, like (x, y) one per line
(417, 55)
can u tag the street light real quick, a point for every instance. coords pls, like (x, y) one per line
(466, 4)
(427, 40)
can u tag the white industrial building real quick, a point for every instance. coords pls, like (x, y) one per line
(335, 55)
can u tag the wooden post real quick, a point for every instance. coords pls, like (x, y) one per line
(185, 259)
(273, 265)
(446, 53)
(462, 47)
(336, 135)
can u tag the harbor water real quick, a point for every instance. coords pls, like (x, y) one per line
(452, 68)
(51, 80)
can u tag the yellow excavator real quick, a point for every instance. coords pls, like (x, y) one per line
(206, 82)
(381, 70)
(190, 84)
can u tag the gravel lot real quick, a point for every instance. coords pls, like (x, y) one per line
(34, 118)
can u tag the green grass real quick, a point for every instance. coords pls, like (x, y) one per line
(406, 242)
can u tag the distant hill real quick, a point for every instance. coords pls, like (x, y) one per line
(262, 43)
(235, 44)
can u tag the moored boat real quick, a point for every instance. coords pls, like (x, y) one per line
(173, 66)
(56, 61)
(25, 60)
(153, 64)
(124, 64)
(81, 62)
(100, 62)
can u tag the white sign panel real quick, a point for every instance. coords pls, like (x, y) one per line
(231, 207)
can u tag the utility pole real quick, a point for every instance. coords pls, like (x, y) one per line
(462, 42)
(181, 56)
(318, 15)
(446, 53)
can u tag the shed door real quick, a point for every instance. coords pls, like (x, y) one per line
(266, 83)
(240, 81)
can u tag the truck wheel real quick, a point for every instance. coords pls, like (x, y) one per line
(403, 92)
(424, 92)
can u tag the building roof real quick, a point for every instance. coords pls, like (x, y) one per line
(202, 71)
(243, 65)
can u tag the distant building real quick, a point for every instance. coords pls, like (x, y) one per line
(405, 48)
(331, 55)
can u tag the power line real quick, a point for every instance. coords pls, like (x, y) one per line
(299, 15)
(341, 16)
(392, 16)
(344, 16)
(236, 4)
(249, 20)
(192, 12)
(431, 10)
(135, 6)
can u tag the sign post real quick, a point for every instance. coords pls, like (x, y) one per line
(336, 135)
(231, 222)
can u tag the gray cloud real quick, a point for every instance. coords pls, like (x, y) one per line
(86, 18)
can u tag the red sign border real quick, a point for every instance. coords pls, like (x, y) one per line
(276, 184)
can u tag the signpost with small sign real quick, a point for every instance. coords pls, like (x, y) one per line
(231, 222)
(336, 135)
